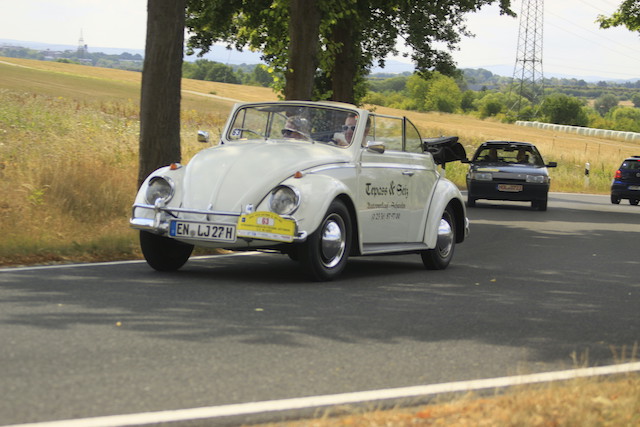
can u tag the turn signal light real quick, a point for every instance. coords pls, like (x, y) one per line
(298, 174)
(618, 174)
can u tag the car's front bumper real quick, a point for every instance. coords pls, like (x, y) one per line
(491, 190)
(157, 219)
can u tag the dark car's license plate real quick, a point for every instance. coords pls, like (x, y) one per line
(511, 188)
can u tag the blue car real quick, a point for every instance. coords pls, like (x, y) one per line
(626, 182)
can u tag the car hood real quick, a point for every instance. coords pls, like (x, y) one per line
(509, 169)
(227, 177)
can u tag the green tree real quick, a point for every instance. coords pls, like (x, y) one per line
(491, 104)
(636, 100)
(417, 89)
(468, 99)
(261, 76)
(626, 119)
(221, 73)
(605, 103)
(339, 39)
(564, 110)
(627, 14)
(443, 94)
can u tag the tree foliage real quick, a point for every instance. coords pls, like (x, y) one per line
(605, 103)
(443, 94)
(338, 41)
(492, 104)
(203, 69)
(563, 109)
(627, 14)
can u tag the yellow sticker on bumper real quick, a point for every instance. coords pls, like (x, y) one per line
(266, 226)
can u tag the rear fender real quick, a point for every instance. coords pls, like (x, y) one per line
(445, 194)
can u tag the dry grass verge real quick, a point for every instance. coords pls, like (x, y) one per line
(613, 402)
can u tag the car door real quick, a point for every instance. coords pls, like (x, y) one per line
(384, 181)
(419, 165)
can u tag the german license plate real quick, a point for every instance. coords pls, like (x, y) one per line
(511, 188)
(634, 187)
(203, 231)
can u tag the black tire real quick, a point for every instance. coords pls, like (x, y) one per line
(439, 257)
(163, 253)
(633, 202)
(615, 200)
(540, 205)
(325, 253)
(471, 202)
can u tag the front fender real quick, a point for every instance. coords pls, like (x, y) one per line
(316, 194)
(176, 175)
(446, 193)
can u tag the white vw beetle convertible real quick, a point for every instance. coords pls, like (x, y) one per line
(317, 181)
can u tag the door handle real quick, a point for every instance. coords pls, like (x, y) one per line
(408, 173)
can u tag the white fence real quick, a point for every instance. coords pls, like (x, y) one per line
(601, 133)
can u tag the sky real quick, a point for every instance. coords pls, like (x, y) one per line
(573, 44)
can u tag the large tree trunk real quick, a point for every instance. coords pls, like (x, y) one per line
(160, 94)
(304, 30)
(345, 66)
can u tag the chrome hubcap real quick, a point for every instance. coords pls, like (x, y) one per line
(445, 238)
(333, 241)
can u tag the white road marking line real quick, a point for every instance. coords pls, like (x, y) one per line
(253, 408)
(107, 263)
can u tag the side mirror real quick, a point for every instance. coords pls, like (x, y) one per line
(552, 164)
(203, 136)
(376, 147)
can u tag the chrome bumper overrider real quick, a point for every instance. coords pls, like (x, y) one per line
(159, 224)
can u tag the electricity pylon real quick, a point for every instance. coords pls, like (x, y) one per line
(528, 78)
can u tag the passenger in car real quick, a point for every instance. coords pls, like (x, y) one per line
(522, 156)
(297, 128)
(491, 155)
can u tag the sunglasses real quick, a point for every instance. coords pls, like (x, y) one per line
(348, 127)
(287, 132)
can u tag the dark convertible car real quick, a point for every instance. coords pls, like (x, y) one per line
(508, 170)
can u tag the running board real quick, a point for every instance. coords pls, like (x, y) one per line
(382, 248)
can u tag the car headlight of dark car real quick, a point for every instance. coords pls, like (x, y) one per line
(482, 176)
(159, 188)
(284, 200)
(538, 179)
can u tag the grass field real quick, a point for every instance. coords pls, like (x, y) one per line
(68, 169)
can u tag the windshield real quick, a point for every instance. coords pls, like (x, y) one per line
(294, 122)
(526, 155)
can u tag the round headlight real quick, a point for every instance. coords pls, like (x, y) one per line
(159, 188)
(284, 200)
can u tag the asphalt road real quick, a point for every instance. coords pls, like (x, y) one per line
(528, 292)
